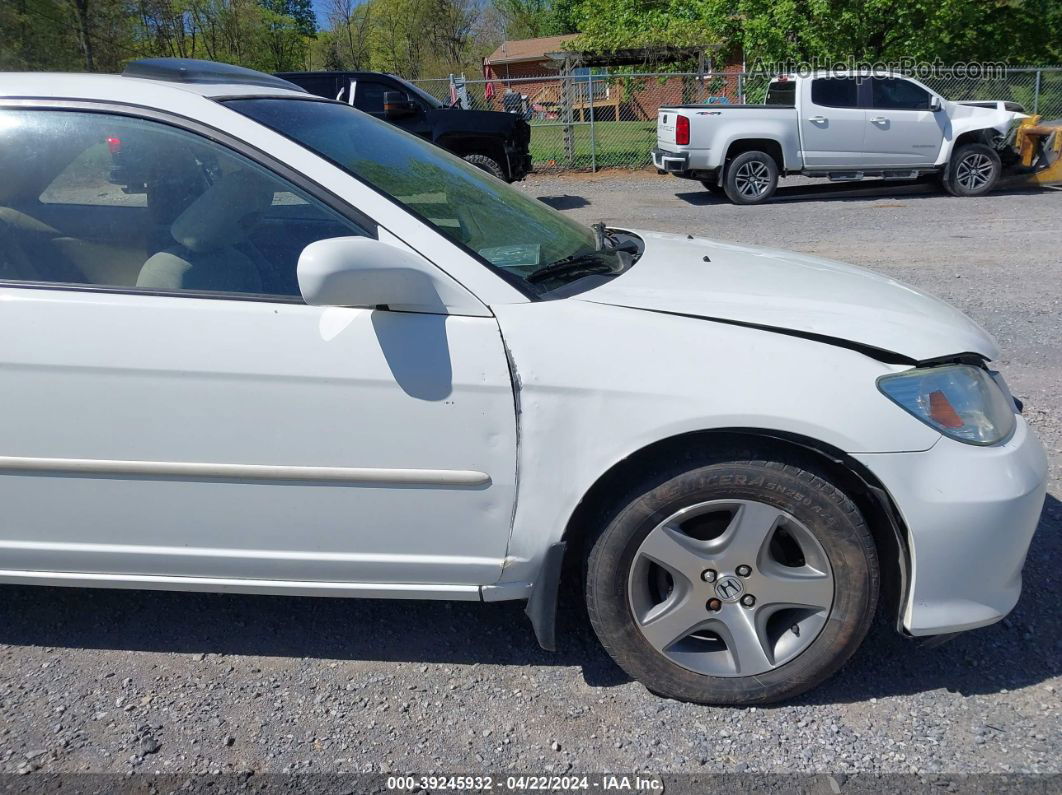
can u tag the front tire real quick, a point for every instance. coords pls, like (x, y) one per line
(736, 582)
(488, 164)
(751, 178)
(974, 170)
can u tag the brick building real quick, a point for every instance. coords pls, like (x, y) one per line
(531, 69)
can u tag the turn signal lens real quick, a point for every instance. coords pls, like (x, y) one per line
(960, 401)
(942, 412)
(682, 130)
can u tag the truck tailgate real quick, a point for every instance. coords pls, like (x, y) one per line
(665, 126)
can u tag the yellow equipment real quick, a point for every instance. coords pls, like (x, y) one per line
(1039, 148)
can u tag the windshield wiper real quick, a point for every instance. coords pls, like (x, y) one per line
(589, 262)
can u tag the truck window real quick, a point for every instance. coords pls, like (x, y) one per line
(898, 94)
(835, 92)
(369, 96)
(779, 93)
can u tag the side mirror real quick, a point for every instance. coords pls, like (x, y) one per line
(362, 272)
(935, 104)
(397, 105)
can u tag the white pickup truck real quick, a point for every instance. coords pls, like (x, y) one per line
(842, 126)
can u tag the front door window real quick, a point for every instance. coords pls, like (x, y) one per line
(110, 201)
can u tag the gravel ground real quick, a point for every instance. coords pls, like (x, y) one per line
(190, 683)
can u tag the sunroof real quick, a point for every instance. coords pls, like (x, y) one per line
(191, 70)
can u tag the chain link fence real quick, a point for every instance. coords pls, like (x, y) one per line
(597, 119)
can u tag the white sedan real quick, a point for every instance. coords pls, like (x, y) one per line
(257, 341)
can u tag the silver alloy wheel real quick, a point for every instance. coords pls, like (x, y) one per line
(692, 606)
(752, 179)
(974, 171)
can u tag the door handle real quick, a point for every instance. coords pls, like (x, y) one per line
(878, 120)
(816, 119)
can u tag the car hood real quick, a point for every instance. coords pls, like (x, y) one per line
(970, 117)
(793, 293)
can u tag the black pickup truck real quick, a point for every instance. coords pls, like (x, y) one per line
(496, 142)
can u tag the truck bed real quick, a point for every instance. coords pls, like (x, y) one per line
(707, 123)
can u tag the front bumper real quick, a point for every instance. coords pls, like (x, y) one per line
(672, 162)
(970, 514)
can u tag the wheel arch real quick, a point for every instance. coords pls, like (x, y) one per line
(849, 475)
(768, 146)
(981, 136)
(463, 145)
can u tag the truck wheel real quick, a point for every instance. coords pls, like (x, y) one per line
(714, 187)
(751, 178)
(736, 582)
(973, 170)
(488, 164)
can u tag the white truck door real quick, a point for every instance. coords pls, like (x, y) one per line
(832, 124)
(173, 409)
(901, 128)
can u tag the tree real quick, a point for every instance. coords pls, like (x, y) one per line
(450, 28)
(414, 37)
(346, 45)
(299, 11)
(777, 31)
(93, 35)
(35, 34)
(397, 40)
(526, 19)
(167, 28)
(83, 20)
(286, 27)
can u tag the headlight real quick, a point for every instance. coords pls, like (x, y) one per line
(961, 401)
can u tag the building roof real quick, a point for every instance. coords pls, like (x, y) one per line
(528, 49)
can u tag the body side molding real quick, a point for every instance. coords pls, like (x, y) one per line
(180, 469)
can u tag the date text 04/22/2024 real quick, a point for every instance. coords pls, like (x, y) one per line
(532, 783)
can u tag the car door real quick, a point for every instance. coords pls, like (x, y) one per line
(193, 417)
(832, 123)
(902, 130)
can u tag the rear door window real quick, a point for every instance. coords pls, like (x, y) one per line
(835, 92)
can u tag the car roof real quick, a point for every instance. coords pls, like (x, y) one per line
(161, 94)
(840, 73)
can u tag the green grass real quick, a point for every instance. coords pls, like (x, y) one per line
(616, 144)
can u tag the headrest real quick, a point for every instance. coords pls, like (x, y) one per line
(224, 213)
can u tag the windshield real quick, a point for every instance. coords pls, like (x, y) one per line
(516, 235)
